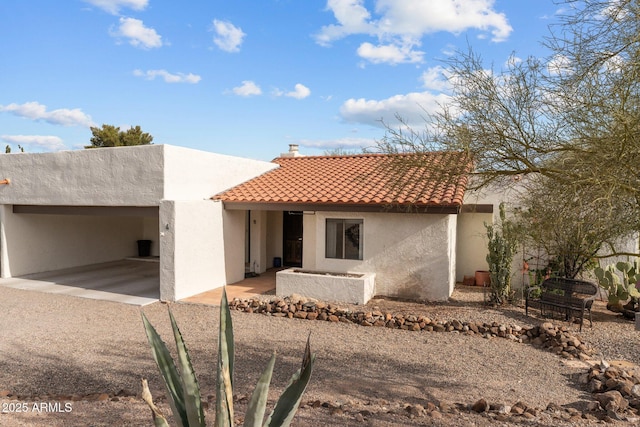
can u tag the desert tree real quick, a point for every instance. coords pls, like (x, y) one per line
(569, 125)
(112, 136)
(572, 231)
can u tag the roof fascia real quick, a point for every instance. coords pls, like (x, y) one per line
(338, 207)
(477, 208)
(143, 211)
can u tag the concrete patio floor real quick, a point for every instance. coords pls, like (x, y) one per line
(130, 281)
(263, 284)
(133, 281)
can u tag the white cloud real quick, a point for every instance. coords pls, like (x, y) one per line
(248, 88)
(37, 111)
(412, 107)
(435, 78)
(399, 25)
(390, 53)
(43, 142)
(348, 143)
(167, 76)
(352, 18)
(138, 35)
(300, 92)
(113, 6)
(228, 36)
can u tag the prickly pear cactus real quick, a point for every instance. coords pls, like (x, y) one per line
(621, 284)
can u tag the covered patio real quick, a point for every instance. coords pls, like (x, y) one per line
(263, 284)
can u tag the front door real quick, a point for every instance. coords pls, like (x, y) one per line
(292, 239)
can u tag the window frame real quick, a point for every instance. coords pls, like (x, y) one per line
(339, 248)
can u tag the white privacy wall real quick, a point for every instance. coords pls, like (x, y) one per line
(413, 255)
(191, 248)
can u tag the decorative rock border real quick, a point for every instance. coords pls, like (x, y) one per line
(547, 336)
(616, 391)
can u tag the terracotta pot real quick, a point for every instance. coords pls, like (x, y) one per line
(469, 281)
(483, 278)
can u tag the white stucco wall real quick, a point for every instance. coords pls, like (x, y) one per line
(411, 254)
(234, 244)
(150, 231)
(193, 174)
(258, 247)
(310, 244)
(96, 177)
(274, 236)
(472, 241)
(191, 249)
(471, 244)
(121, 176)
(353, 290)
(34, 243)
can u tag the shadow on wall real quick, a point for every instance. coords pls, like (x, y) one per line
(416, 266)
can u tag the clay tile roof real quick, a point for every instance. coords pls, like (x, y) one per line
(427, 179)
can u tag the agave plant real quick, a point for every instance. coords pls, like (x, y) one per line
(184, 392)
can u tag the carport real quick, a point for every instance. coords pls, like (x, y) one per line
(86, 208)
(42, 238)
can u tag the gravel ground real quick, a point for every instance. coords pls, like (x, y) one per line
(61, 350)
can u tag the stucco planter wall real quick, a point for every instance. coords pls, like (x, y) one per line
(356, 288)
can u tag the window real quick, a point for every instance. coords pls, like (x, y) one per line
(343, 238)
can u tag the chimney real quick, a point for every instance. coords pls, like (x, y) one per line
(293, 151)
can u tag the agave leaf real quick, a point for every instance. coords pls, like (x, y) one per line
(258, 402)
(224, 400)
(228, 393)
(169, 373)
(192, 402)
(289, 400)
(158, 418)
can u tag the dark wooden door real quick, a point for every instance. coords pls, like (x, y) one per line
(292, 239)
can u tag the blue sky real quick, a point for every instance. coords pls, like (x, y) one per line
(241, 77)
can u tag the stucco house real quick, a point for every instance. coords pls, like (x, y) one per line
(341, 214)
(213, 218)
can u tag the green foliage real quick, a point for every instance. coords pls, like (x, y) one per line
(112, 136)
(503, 242)
(562, 223)
(184, 393)
(621, 284)
(7, 149)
